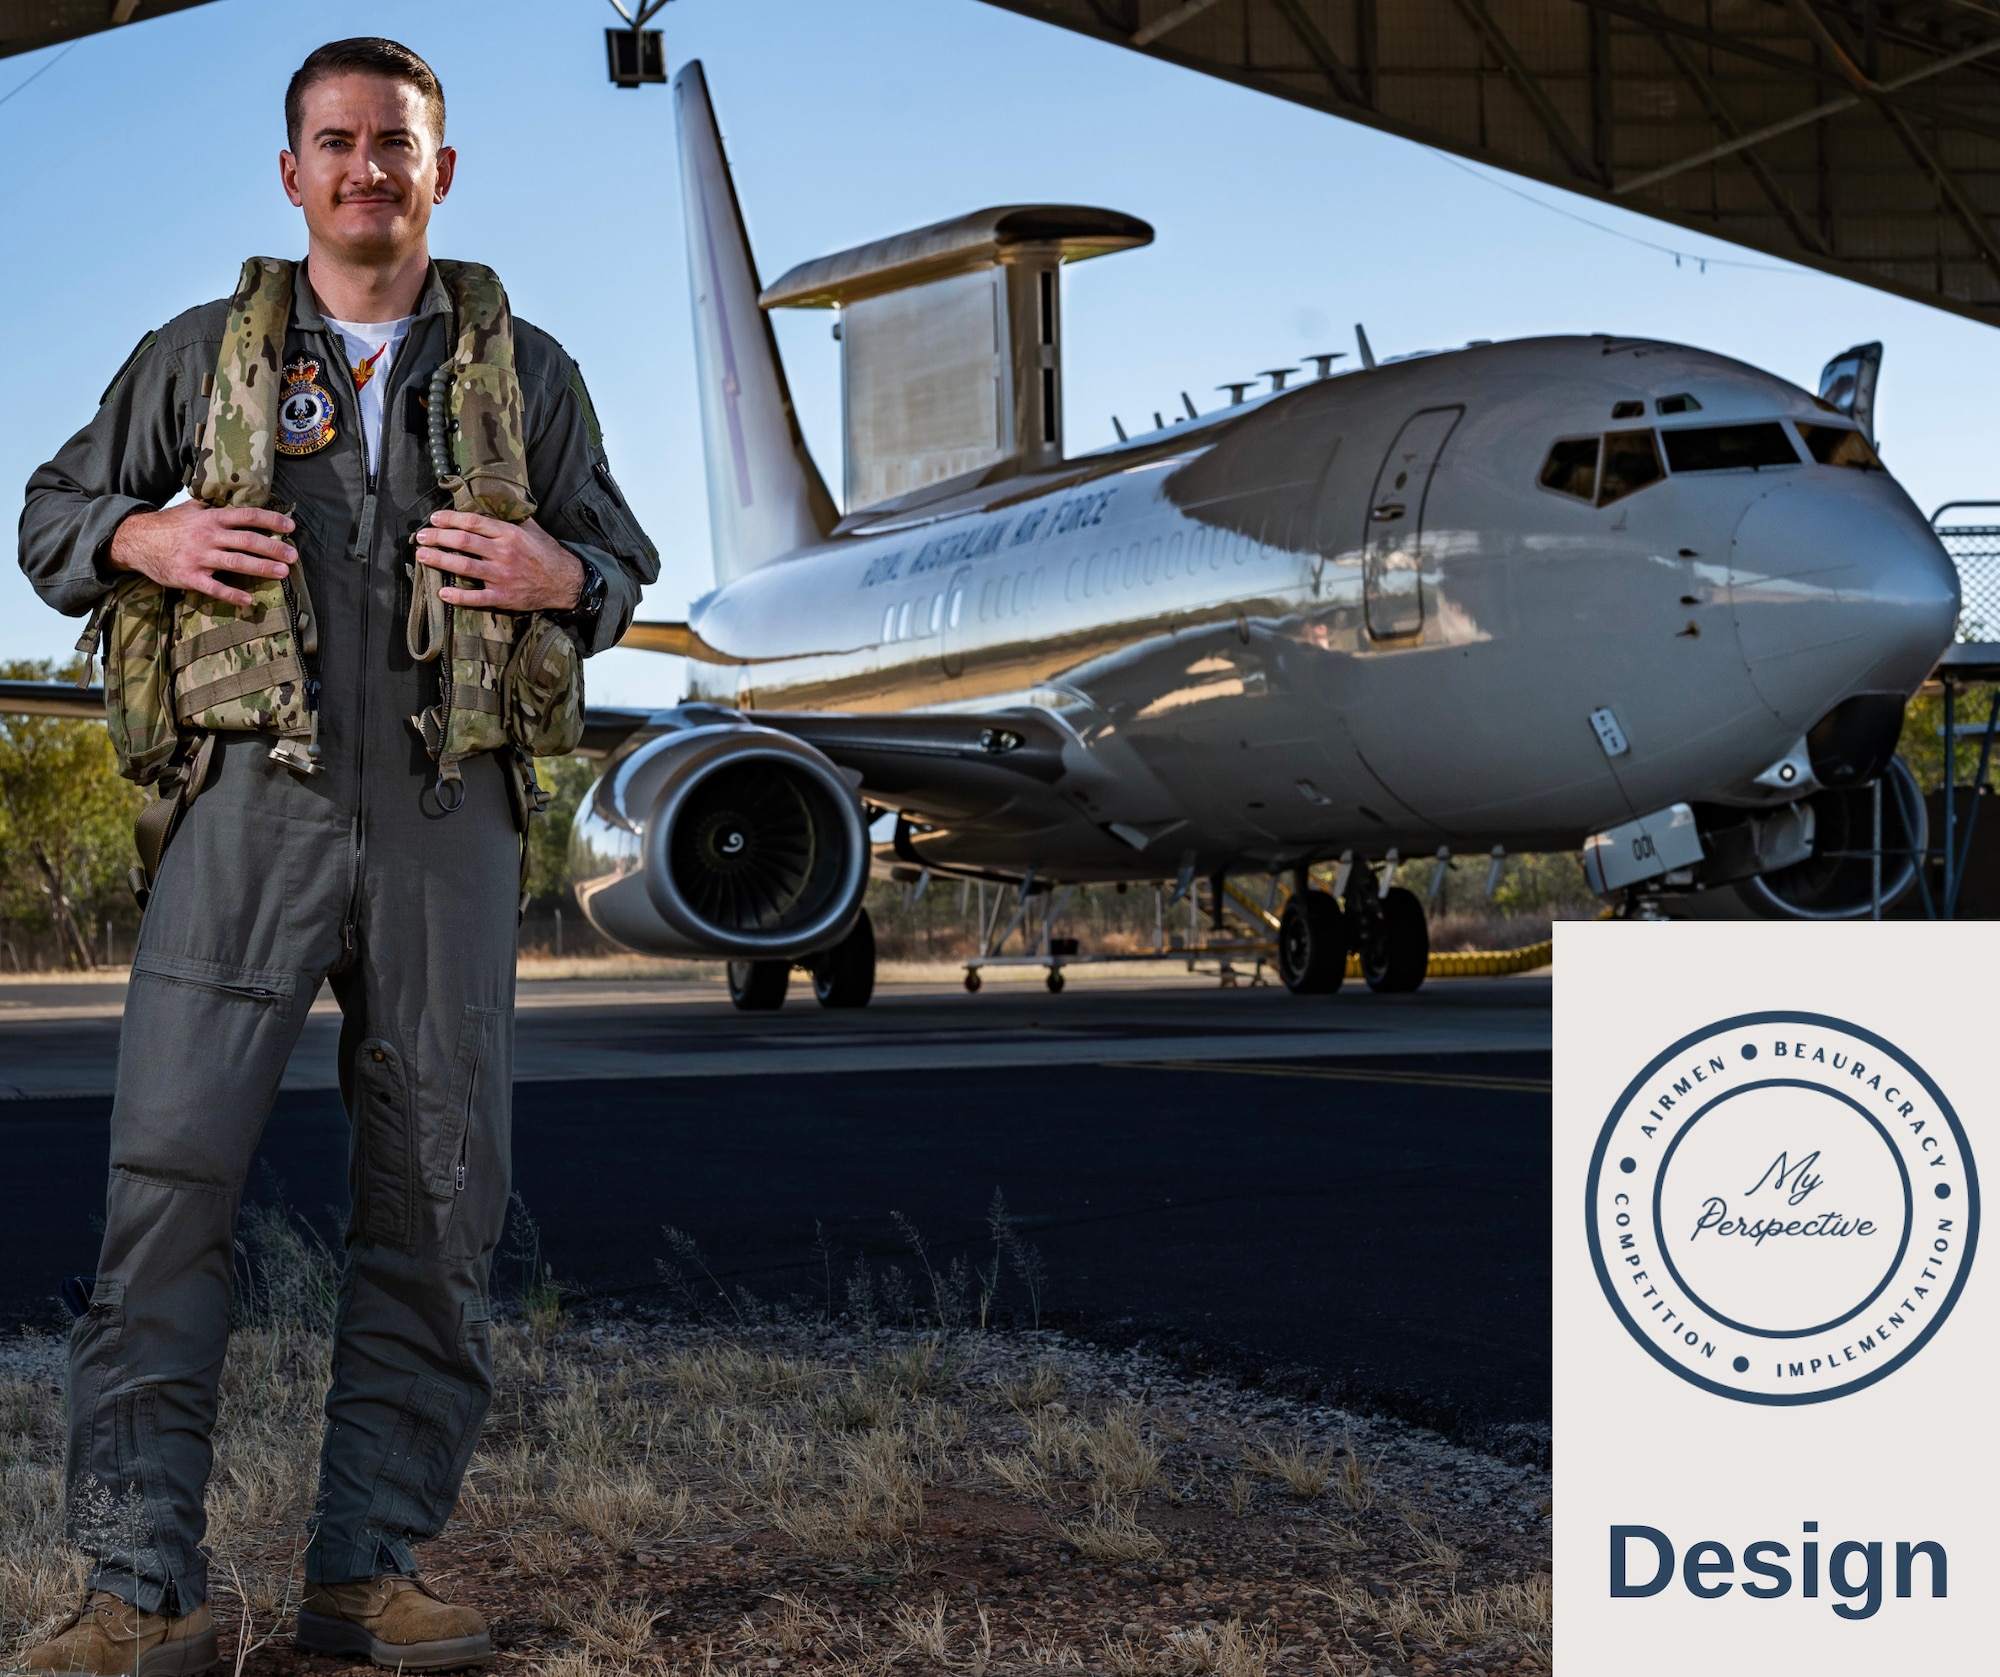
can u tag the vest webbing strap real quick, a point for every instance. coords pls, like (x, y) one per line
(152, 829)
(481, 699)
(158, 821)
(477, 646)
(257, 679)
(235, 448)
(223, 637)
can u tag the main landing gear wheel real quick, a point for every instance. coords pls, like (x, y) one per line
(1395, 944)
(972, 982)
(1055, 981)
(1312, 944)
(844, 976)
(759, 986)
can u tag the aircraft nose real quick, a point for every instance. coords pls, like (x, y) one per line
(1838, 588)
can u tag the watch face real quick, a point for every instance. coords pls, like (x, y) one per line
(591, 601)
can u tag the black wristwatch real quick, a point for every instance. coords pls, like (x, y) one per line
(589, 605)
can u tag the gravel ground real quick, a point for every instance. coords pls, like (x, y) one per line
(653, 1497)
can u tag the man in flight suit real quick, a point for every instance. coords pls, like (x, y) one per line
(277, 880)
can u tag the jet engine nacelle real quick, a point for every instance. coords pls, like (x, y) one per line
(721, 838)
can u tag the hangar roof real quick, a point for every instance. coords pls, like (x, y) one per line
(1861, 137)
(28, 24)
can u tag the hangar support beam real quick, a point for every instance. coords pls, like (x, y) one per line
(1853, 136)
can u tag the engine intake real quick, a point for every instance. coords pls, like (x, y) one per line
(720, 838)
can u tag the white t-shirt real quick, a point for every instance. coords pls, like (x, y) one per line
(371, 346)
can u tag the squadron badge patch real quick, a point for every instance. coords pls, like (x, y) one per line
(305, 410)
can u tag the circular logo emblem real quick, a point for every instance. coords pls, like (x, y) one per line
(1782, 1208)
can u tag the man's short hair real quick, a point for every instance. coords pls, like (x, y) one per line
(370, 55)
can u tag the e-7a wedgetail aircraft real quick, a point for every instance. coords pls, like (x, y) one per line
(1523, 596)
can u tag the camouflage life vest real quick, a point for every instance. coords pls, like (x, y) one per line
(503, 678)
(181, 667)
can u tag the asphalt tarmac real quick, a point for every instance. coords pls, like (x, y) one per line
(1354, 1189)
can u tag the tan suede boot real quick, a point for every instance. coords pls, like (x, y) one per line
(392, 1621)
(109, 1637)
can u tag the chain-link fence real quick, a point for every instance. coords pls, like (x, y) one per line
(1975, 550)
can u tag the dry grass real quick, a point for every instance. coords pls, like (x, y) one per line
(1023, 1475)
(1417, 1623)
(617, 1468)
(1126, 1463)
(38, 1582)
(1112, 1534)
(1225, 1650)
(1042, 1385)
(1302, 1470)
(1354, 1484)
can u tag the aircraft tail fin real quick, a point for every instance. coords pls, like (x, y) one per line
(766, 498)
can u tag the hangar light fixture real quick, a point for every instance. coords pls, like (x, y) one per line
(636, 54)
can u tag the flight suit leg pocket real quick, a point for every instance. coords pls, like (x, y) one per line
(385, 1143)
(448, 1133)
(470, 1177)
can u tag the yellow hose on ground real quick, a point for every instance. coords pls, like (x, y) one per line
(1479, 963)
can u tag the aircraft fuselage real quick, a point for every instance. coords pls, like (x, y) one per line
(1353, 616)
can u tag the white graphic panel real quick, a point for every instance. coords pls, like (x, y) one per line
(1775, 1346)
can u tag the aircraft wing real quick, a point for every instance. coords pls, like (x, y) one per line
(948, 765)
(952, 765)
(51, 698)
(603, 730)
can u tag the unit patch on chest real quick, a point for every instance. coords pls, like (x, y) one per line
(305, 410)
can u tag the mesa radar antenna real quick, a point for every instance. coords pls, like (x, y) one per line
(636, 54)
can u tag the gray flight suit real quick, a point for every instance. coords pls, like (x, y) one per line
(274, 883)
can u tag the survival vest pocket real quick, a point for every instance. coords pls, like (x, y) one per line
(544, 690)
(134, 626)
(243, 671)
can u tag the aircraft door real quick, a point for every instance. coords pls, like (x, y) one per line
(957, 607)
(1393, 557)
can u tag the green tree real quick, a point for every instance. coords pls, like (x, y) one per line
(568, 779)
(1922, 745)
(65, 822)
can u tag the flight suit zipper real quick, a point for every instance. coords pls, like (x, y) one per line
(362, 554)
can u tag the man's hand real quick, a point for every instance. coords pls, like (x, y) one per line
(192, 546)
(519, 567)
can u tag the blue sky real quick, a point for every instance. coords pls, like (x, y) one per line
(143, 169)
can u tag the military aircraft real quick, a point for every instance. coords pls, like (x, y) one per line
(1526, 596)
(1595, 591)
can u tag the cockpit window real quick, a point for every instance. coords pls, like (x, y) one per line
(1729, 448)
(1571, 468)
(1628, 410)
(1839, 445)
(1681, 403)
(1631, 461)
